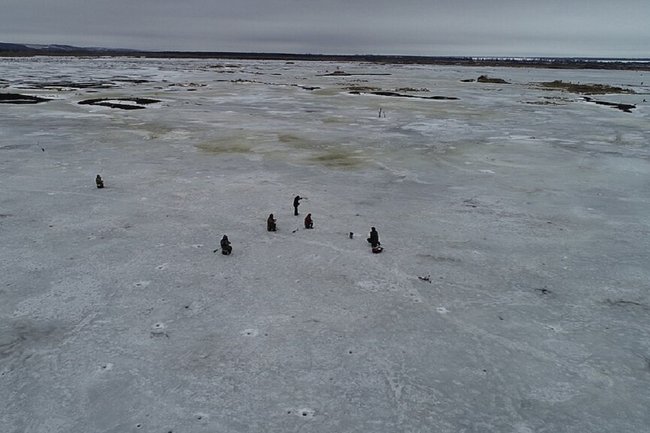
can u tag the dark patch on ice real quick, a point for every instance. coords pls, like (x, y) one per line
(363, 89)
(405, 95)
(626, 304)
(623, 107)
(427, 278)
(337, 73)
(340, 73)
(17, 98)
(240, 81)
(15, 146)
(544, 291)
(138, 103)
(583, 89)
(547, 100)
(492, 80)
(471, 202)
(131, 80)
(22, 334)
(7, 348)
(439, 258)
(412, 89)
(71, 84)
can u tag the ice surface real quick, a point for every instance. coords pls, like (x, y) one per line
(512, 294)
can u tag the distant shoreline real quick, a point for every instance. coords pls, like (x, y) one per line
(537, 62)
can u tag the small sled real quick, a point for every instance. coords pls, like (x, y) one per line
(377, 250)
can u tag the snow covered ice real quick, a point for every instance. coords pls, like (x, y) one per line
(512, 294)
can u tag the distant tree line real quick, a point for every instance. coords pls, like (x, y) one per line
(20, 50)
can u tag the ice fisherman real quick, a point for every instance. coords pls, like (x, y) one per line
(226, 249)
(296, 203)
(270, 224)
(309, 224)
(374, 238)
(99, 182)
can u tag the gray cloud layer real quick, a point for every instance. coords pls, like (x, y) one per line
(419, 27)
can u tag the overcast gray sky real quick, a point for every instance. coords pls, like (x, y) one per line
(597, 28)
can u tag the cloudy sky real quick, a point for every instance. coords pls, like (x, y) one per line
(597, 28)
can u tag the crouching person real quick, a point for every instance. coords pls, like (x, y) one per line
(270, 224)
(226, 249)
(309, 224)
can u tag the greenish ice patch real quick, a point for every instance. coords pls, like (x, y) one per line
(328, 154)
(225, 145)
(297, 142)
(156, 131)
(331, 91)
(338, 120)
(336, 158)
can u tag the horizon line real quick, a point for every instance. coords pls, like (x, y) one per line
(63, 48)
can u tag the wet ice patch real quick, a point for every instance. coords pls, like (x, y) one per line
(442, 310)
(446, 127)
(69, 298)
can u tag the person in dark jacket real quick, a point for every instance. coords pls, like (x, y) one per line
(374, 238)
(309, 224)
(99, 182)
(270, 224)
(296, 203)
(226, 249)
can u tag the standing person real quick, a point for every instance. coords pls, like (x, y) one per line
(270, 224)
(374, 238)
(226, 249)
(296, 203)
(99, 182)
(309, 224)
